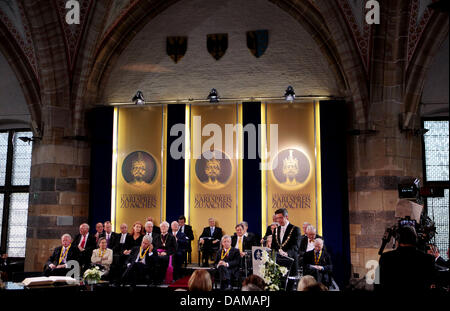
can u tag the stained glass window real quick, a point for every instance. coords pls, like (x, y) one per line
(17, 226)
(438, 211)
(436, 150)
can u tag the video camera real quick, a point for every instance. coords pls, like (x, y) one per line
(410, 212)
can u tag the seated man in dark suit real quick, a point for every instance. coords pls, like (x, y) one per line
(156, 229)
(251, 237)
(85, 243)
(317, 263)
(180, 254)
(166, 246)
(57, 263)
(121, 246)
(141, 263)
(406, 268)
(210, 240)
(99, 232)
(440, 262)
(227, 262)
(240, 241)
(109, 235)
(186, 229)
(286, 238)
(149, 230)
(307, 241)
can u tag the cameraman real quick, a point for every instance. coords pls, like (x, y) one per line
(406, 268)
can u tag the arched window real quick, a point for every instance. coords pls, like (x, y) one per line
(15, 166)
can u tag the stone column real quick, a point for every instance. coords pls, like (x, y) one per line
(59, 192)
(379, 161)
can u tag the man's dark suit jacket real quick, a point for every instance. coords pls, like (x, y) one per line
(72, 254)
(85, 256)
(112, 239)
(406, 269)
(247, 242)
(217, 235)
(233, 259)
(304, 244)
(149, 260)
(171, 244)
(291, 247)
(442, 263)
(323, 276)
(182, 241)
(120, 248)
(268, 232)
(190, 234)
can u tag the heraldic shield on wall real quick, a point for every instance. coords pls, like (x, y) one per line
(176, 47)
(217, 44)
(257, 41)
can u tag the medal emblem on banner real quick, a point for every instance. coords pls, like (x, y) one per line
(139, 168)
(176, 47)
(291, 168)
(217, 44)
(257, 42)
(213, 169)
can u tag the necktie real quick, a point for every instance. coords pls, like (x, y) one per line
(240, 244)
(83, 242)
(212, 231)
(182, 229)
(122, 238)
(107, 239)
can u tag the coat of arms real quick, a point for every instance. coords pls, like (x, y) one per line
(217, 44)
(257, 41)
(176, 48)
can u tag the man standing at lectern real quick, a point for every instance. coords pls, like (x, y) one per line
(286, 239)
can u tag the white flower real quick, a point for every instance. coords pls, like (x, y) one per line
(283, 270)
(265, 257)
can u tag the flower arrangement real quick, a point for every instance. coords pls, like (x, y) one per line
(92, 275)
(272, 272)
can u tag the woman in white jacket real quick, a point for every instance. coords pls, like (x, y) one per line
(102, 256)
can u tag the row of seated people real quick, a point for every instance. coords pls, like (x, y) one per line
(176, 243)
(116, 253)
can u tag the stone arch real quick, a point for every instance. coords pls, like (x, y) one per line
(143, 11)
(23, 71)
(431, 40)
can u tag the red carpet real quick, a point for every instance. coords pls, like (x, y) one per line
(180, 283)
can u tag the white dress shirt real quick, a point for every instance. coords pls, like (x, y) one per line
(283, 230)
(123, 238)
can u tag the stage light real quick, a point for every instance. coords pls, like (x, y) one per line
(213, 96)
(138, 99)
(289, 95)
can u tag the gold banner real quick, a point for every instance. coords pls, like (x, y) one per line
(293, 178)
(213, 186)
(139, 159)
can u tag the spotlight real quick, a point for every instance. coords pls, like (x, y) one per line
(213, 96)
(138, 99)
(289, 95)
